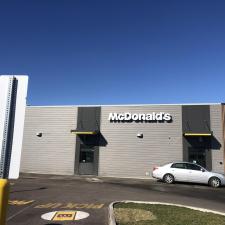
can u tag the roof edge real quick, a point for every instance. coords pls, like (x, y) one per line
(121, 105)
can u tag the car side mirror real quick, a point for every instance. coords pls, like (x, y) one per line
(202, 170)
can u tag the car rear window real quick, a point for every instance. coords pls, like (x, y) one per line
(179, 165)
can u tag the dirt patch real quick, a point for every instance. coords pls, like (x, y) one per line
(126, 215)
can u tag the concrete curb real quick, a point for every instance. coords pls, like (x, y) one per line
(112, 220)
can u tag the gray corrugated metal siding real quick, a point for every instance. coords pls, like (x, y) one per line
(216, 127)
(54, 152)
(129, 156)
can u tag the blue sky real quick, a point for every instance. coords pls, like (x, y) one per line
(115, 52)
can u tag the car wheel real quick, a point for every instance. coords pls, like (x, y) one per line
(168, 178)
(214, 182)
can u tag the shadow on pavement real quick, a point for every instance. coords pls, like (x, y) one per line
(36, 189)
(53, 224)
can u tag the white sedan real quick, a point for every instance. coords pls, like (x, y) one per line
(187, 172)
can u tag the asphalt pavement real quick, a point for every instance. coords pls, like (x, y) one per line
(34, 195)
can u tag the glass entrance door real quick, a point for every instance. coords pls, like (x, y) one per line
(197, 155)
(86, 162)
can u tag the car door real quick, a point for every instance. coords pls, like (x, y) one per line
(179, 171)
(196, 174)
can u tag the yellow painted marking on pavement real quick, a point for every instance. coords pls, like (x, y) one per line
(20, 202)
(54, 205)
(64, 216)
(48, 206)
(70, 205)
(98, 206)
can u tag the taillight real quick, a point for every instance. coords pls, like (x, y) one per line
(155, 168)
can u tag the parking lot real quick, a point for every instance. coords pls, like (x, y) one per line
(32, 196)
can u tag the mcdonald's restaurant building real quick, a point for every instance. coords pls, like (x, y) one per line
(121, 140)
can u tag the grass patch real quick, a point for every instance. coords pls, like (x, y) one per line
(147, 214)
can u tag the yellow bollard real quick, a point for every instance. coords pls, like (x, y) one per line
(4, 198)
